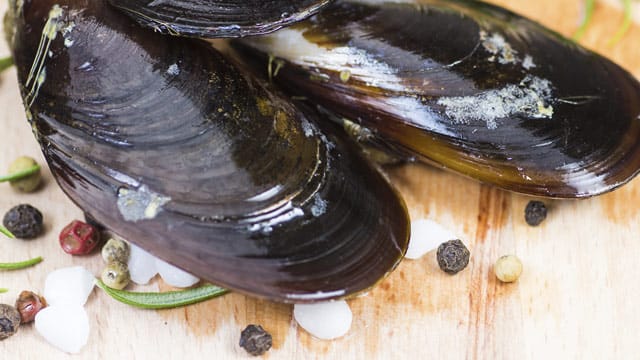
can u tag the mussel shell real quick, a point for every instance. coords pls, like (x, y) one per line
(470, 87)
(173, 148)
(215, 19)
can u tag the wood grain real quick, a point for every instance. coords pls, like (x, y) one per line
(575, 299)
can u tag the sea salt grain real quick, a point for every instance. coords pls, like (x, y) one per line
(142, 265)
(68, 286)
(64, 326)
(326, 321)
(175, 276)
(426, 235)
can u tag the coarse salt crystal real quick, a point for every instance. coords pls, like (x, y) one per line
(175, 276)
(327, 320)
(69, 286)
(142, 265)
(64, 326)
(426, 235)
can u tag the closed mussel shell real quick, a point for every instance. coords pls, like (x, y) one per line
(215, 19)
(173, 148)
(468, 86)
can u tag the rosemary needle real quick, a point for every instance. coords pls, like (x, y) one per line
(21, 264)
(626, 24)
(163, 300)
(588, 13)
(20, 174)
(6, 231)
(5, 63)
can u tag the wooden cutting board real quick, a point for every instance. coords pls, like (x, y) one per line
(575, 299)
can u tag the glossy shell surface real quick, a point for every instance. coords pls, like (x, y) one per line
(226, 18)
(172, 147)
(468, 86)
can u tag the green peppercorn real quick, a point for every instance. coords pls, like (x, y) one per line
(116, 275)
(508, 268)
(28, 183)
(453, 256)
(115, 250)
(255, 340)
(24, 221)
(9, 321)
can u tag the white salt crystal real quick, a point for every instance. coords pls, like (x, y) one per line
(142, 265)
(64, 326)
(327, 320)
(426, 235)
(68, 286)
(175, 276)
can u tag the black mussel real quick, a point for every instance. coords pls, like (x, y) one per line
(468, 86)
(169, 145)
(215, 18)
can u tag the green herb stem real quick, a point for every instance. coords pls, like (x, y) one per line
(626, 24)
(163, 300)
(20, 174)
(588, 13)
(6, 231)
(3, 290)
(21, 264)
(5, 63)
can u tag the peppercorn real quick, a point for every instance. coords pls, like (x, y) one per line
(9, 321)
(24, 221)
(535, 212)
(115, 250)
(255, 340)
(452, 256)
(79, 238)
(508, 268)
(27, 183)
(28, 305)
(116, 275)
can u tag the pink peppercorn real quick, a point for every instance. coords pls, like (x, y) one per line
(79, 238)
(29, 304)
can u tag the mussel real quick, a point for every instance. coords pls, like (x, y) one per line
(227, 18)
(467, 86)
(178, 149)
(173, 147)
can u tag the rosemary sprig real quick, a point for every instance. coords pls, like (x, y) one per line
(6, 231)
(163, 300)
(626, 24)
(5, 63)
(622, 30)
(20, 174)
(21, 264)
(586, 20)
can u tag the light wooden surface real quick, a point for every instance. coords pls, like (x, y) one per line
(575, 299)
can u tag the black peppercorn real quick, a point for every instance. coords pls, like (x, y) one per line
(535, 212)
(24, 221)
(453, 256)
(9, 321)
(255, 340)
